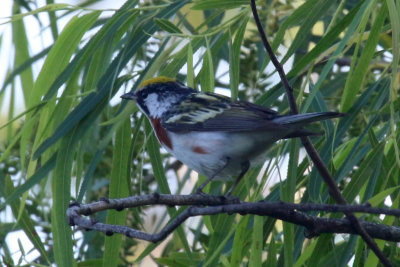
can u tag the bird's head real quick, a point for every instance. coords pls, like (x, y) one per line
(155, 96)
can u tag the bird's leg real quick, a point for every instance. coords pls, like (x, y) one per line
(245, 168)
(218, 171)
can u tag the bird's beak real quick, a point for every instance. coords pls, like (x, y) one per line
(128, 96)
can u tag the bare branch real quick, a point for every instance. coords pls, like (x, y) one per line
(200, 205)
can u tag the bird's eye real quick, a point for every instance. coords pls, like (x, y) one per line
(143, 94)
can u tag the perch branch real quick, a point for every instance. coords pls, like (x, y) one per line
(200, 205)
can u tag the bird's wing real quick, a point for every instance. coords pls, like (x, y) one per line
(212, 112)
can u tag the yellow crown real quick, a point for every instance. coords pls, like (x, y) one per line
(160, 79)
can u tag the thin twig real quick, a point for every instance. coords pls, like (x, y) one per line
(285, 211)
(319, 164)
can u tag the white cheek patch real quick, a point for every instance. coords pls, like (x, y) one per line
(157, 108)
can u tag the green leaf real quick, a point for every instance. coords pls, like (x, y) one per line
(354, 82)
(234, 58)
(46, 8)
(207, 71)
(328, 66)
(215, 4)
(35, 179)
(25, 222)
(56, 61)
(190, 69)
(271, 253)
(241, 237)
(106, 83)
(22, 53)
(306, 253)
(181, 259)
(256, 242)
(61, 52)
(166, 25)
(293, 19)
(364, 172)
(223, 232)
(381, 196)
(119, 184)
(22, 67)
(288, 193)
(325, 44)
(316, 10)
(61, 192)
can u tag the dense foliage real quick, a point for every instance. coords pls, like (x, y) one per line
(73, 142)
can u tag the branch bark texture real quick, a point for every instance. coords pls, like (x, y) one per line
(200, 205)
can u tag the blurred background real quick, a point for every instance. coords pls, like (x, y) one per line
(66, 136)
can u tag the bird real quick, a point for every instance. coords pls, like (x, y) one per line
(212, 134)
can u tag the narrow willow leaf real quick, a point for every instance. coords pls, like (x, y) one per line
(57, 59)
(180, 58)
(297, 16)
(354, 82)
(46, 8)
(381, 196)
(106, 83)
(394, 16)
(364, 172)
(313, 15)
(213, 256)
(288, 195)
(207, 71)
(53, 21)
(241, 236)
(234, 59)
(271, 253)
(190, 69)
(119, 185)
(107, 32)
(39, 175)
(256, 242)
(215, 4)
(25, 222)
(306, 253)
(61, 196)
(181, 259)
(325, 43)
(167, 25)
(24, 113)
(322, 248)
(89, 174)
(22, 67)
(328, 66)
(22, 54)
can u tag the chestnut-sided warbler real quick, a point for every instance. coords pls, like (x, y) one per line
(212, 134)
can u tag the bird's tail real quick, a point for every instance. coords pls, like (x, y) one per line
(299, 120)
(302, 119)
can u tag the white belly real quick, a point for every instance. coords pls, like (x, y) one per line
(206, 152)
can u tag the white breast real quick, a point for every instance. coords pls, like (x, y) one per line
(206, 152)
